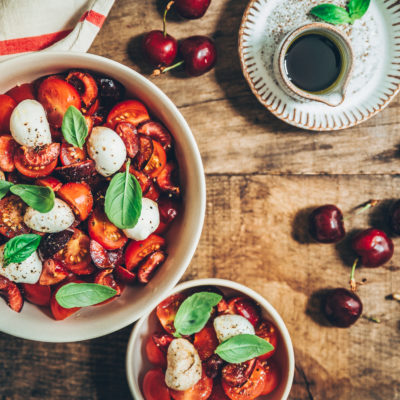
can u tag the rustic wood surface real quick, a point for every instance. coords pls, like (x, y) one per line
(262, 179)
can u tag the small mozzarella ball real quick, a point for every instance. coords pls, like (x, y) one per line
(28, 124)
(227, 326)
(27, 271)
(183, 365)
(59, 218)
(107, 150)
(148, 221)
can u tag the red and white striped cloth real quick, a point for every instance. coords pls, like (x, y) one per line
(59, 25)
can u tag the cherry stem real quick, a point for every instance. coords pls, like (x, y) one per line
(169, 5)
(163, 70)
(366, 206)
(372, 319)
(353, 284)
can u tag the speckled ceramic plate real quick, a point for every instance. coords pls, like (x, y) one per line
(375, 79)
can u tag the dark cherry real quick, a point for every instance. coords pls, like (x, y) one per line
(213, 366)
(326, 224)
(110, 92)
(192, 9)
(159, 49)
(373, 246)
(342, 307)
(395, 218)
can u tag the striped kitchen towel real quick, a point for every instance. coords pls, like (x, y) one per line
(59, 25)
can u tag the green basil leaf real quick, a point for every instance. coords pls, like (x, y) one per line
(194, 312)
(357, 8)
(74, 127)
(123, 202)
(41, 198)
(330, 13)
(83, 294)
(4, 188)
(20, 247)
(243, 348)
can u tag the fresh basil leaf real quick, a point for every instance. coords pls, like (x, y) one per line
(194, 312)
(83, 294)
(357, 8)
(41, 198)
(243, 348)
(123, 202)
(20, 247)
(4, 188)
(330, 13)
(74, 127)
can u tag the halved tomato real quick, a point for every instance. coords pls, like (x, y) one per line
(168, 208)
(146, 149)
(200, 391)
(86, 87)
(12, 210)
(60, 313)
(154, 354)
(22, 92)
(11, 293)
(123, 275)
(37, 294)
(79, 197)
(167, 310)
(104, 232)
(152, 193)
(149, 266)
(273, 376)
(139, 250)
(237, 374)
(156, 162)
(154, 387)
(206, 342)
(144, 181)
(167, 178)
(71, 154)
(7, 149)
(99, 255)
(267, 331)
(106, 278)
(76, 172)
(56, 96)
(89, 123)
(50, 182)
(132, 111)
(128, 134)
(246, 308)
(53, 272)
(157, 132)
(7, 105)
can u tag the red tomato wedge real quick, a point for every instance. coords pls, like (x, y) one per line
(218, 392)
(12, 210)
(200, 391)
(154, 354)
(22, 92)
(37, 294)
(61, 313)
(7, 149)
(267, 331)
(167, 310)
(53, 272)
(154, 387)
(86, 86)
(206, 342)
(71, 154)
(273, 377)
(50, 182)
(132, 111)
(79, 197)
(156, 162)
(124, 276)
(12, 295)
(7, 105)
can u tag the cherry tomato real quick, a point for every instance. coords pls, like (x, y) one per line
(157, 132)
(149, 266)
(60, 313)
(167, 310)
(154, 354)
(251, 389)
(53, 272)
(56, 96)
(76, 172)
(89, 123)
(7, 149)
(132, 111)
(218, 392)
(128, 134)
(267, 331)
(99, 255)
(22, 92)
(246, 308)
(154, 387)
(7, 105)
(79, 197)
(206, 342)
(37, 294)
(157, 161)
(273, 376)
(139, 250)
(123, 275)
(152, 193)
(50, 182)
(200, 391)
(143, 179)
(104, 232)
(168, 208)
(75, 256)
(238, 374)
(12, 210)
(106, 278)
(86, 87)
(11, 293)
(93, 109)
(71, 154)
(146, 149)
(166, 179)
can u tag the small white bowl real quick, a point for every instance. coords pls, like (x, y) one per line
(137, 364)
(32, 323)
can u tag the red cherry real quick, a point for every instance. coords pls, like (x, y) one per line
(192, 9)
(160, 49)
(326, 224)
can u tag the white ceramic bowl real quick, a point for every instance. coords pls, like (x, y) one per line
(32, 322)
(137, 364)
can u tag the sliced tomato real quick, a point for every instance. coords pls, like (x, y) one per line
(167, 178)
(156, 162)
(218, 392)
(124, 276)
(128, 134)
(267, 330)
(251, 389)
(93, 109)
(86, 87)
(132, 111)
(206, 342)
(37, 294)
(76, 256)
(169, 209)
(50, 182)
(71, 154)
(157, 132)
(106, 278)
(139, 250)
(12, 210)
(104, 232)
(154, 387)
(89, 123)
(7, 105)
(237, 374)
(80, 171)
(154, 354)
(61, 313)
(56, 96)
(246, 308)
(11, 293)
(150, 265)
(7, 149)
(22, 92)
(273, 376)
(152, 193)
(200, 391)
(79, 197)
(167, 310)
(99, 255)
(52, 273)
(146, 149)
(143, 179)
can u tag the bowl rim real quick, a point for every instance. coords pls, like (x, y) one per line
(196, 161)
(134, 385)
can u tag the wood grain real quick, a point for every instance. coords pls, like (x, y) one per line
(263, 177)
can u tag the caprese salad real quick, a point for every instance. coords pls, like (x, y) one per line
(88, 187)
(210, 347)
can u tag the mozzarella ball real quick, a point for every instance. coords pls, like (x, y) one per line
(106, 149)
(227, 326)
(148, 221)
(183, 365)
(28, 124)
(27, 271)
(59, 218)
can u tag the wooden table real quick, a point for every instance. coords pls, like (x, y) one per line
(262, 178)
